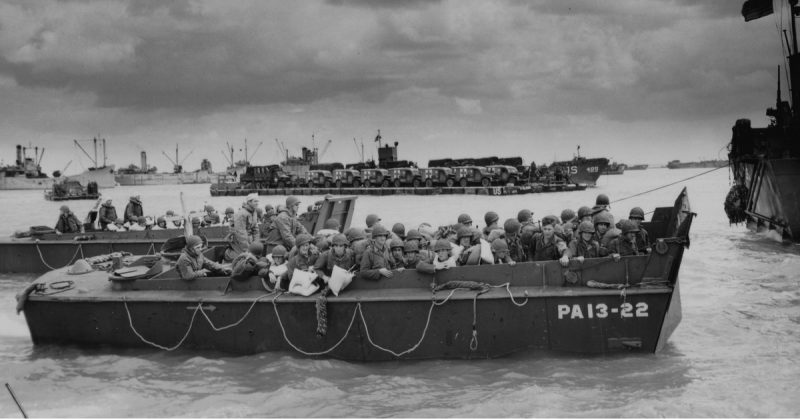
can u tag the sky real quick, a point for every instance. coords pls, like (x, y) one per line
(637, 81)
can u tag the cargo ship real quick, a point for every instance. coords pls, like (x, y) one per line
(26, 172)
(146, 175)
(638, 167)
(765, 162)
(615, 169)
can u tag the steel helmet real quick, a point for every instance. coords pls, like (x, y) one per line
(463, 231)
(567, 215)
(161, 219)
(524, 215)
(499, 245)
(413, 235)
(279, 251)
(627, 226)
(372, 219)
(256, 248)
(354, 234)
(396, 244)
(269, 212)
(332, 224)
(549, 219)
(636, 213)
(491, 217)
(171, 213)
(303, 239)
(586, 227)
(81, 266)
(410, 247)
(603, 217)
(208, 208)
(399, 229)
(292, 200)
(339, 239)
(464, 218)
(281, 208)
(602, 199)
(64, 208)
(193, 241)
(584, 211)
(511, 226)
(228, 210)
(379, 230)
(442, 244)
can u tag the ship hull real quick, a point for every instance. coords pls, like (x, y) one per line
(144, 179)
(582, 170)
(21, 182)
(774, 197)
(467, 312)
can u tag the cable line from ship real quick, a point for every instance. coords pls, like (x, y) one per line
(670, 184)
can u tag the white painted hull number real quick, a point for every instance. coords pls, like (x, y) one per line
(601, 311)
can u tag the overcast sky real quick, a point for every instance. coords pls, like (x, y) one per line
(639, 81)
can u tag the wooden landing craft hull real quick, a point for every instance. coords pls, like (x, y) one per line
(44, 252)
(599, 306)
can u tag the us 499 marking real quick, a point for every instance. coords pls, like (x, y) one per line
(600, 311)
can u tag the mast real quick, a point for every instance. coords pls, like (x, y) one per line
(794, 63)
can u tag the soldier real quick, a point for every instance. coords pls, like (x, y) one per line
(338, 255)
(358, 242)
(525, 218)
(624, 244)
(399, 231)
(134, 209)
(371, 220)
(547, 246)
(161, 223)
(515, 250)
(414, 259)
(192, 264)
(642, 238)
(465, 219)
(601, 203)
(396, 261)
(443, 258)
(228, 219)
(584, 245)
(491, 219)
(285, 228)
(584, 214)
(250, 263)
(211, 217)
(500, 251)
(330, 227)
(107, 214)
(568, 224)
(68, 222)
(375, 262)
(303, 259)
(603, 232)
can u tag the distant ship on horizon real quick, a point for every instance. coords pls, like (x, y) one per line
(677, 164)
(26, 172)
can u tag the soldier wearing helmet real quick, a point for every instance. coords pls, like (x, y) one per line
(604, 233)
(500, 251)
(376, 261)
(286, 227)
(625, 243)
(396, 261)
(107, 214)
(415, 260)
(512, 229)
(358, 242)
(371, 220)
(192, 264)
(642, 238)
(465, 219)
(584, 245)
(569, 224)
(211, 216)
(227, 219)
(161, 223)
(133, 210)
(546, 245)
(525, 217)
(339, 255)
(245, 228)
(250, 263)
(444, 255)
(399, 231)
(305, 255)
(491, 218)
(68, 222)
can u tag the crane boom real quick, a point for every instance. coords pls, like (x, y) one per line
(324, 149)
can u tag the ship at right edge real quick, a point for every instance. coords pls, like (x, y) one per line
(765, 162)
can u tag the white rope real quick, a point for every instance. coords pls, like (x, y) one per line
(507, 285)
(217, 329)
(130, 321)
(409, 350)
(41, 257)
(285, 337)
(152, 248)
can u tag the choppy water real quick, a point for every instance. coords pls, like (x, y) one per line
(735, 353)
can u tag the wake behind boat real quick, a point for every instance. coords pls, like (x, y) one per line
(469, 312)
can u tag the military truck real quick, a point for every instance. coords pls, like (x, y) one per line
(504, 175)
(318, 178)
(437, 176)
(472, 176)
(347, 178)
(405, 176)
(262, 177)
(375, 177)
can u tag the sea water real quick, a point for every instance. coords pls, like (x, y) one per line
(736, 351)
